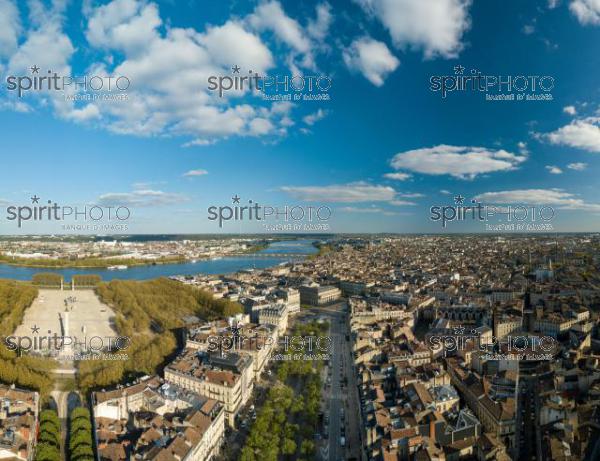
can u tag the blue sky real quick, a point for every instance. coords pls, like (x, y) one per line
(379, 153)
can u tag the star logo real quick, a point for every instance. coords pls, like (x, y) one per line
(35, 69)
(459, 330)
(235, 329)
(235, 199)
(236, 69)
(35, 329)
(459, 199)
(35, 199)
(459, 70)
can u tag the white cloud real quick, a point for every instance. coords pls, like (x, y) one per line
(313, 118)
(270, 16)
(127, 25)
(260, 127)
(577, 166)
(198, 142)
(168, 67)
(553, 169)
(141, 198)
(523, 148)
(318, 28)
(401, 203)
(344, 193)
(168, 96)
(437, 27)
(372, 58)
(457, 161)
(230, 45)
(88, 112)
(569, 110)
(581, 133)
(48, 47)
(553, 4)
(587, 12)
(193, 173)
(10, 27)
(528, 29)
(397, 176)
(411, 195)
(445, 192)
(557, 197)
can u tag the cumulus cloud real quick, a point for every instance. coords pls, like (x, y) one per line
(232, 44)
(198, 142)
(10, 27)
(318, 28)
(397, 176)
(270, 16)
(127, 25)
(48, 47)
(313, 118)
(398, 202)
(553, 169)
(569, 110)
(457, 161)
(435, 27)
(168, 66)
(193, 173)
(88, 112)
(523, 148)
(372, 58)
(577, 166)
(581, 133)
(587, 12)
(141, 198)
(344, 193)
(557, 197)
(260, 126)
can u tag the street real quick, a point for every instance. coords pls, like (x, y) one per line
(340, 397)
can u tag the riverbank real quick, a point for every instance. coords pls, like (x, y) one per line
(105, 263)
(271, 256)
(87, 263)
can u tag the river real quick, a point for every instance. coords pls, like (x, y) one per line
(225, 265)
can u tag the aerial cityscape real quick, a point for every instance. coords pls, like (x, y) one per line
(317, 230)
(365, 347)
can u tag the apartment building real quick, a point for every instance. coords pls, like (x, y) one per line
(156, 421)
(225, 377)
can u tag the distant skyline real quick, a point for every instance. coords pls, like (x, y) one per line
(380, 153)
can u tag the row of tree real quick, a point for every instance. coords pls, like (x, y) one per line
(15, 298)
(80, 435)
(48, 446)
(162, 302)
(286, 423)
(26, 371)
